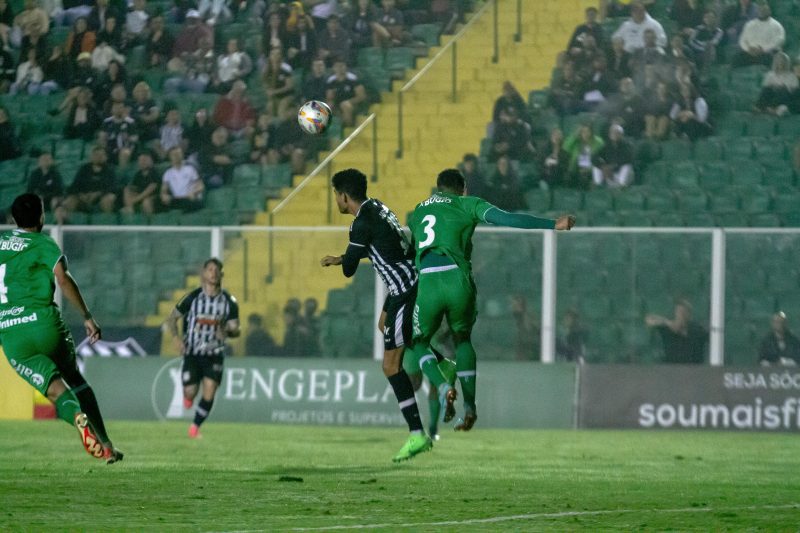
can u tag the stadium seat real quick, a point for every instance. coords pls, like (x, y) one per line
(276, 176)
(250, 199)
(221, 199)
(786, 202)
(746, 172)
(779, 175)
(692, 201)
(370, 57)
(709, 149)
(629, 199)
(714, 175)
(427, 33)
(759, 125)
(247, 175)
(755, 200)
(770, 150)
(140, 276)
(684, 175)
(660, 199)
(765, 220)
(676, 150)
(739, 148)
(599, 200)
(700, 220)
(724, 202)
(538, 200)
(133, 219)
(567, 200)
(398, 60)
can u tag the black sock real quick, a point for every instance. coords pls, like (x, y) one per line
(89, 406)
(404, 392)
(203, 409)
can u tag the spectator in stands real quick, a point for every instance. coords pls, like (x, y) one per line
(512, 137)
(198, 135)
(585, 56)
(233, 65)
(334, 42)
(619, 61)
(527, 342)
(760, 39)
(597, 86)
(734, 18)
(315, 85)
(301, 44)
(111, 33)
(80, 40)
(258, 341)
(31, 16)
(104, 53)
(391, 19)
(261, 139)
(475, 181)
(114, 75)
(684, 339)
(322, 10)
(687, 14)
(171, 134)
(582, 147)
(657, 113)
(511, 98)
(216, 162)
(296, 336)
(194, 70)
(613, 164)
(73, 10)
(278, 82)
(287, 143)
(145, 112)
(779, 89)
(181, 186)
(6, 23)
(364, 26)
(345, 93)
(45, 180)
(234, 112)
(29, 76)
(142, 192)
(94, 185)
(564, 90)
(136, 24)
(83, 117)
(704, 40)
(120, 134)
(589, 27)
(571, 340)
(159, 42)
(503, 188)
(275, 33)
(780, 346)
(10, 147)
(8, 72)
(627, 108)
(100, 13)
(649, 54)
(36, 40)
(215, 11)
(554, 161)
(678, 51)
(194, 34)
(56, 69)
(689, 114)
(633, 30)
(684, 73)
(118, 94)
(310, 308)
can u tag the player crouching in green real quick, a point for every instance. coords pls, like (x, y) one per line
(35, 339)
(442, 228)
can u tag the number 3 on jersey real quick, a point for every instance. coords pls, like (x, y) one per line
(429, 221)
(3, 288)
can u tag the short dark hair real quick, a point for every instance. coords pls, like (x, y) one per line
(27, 210)
(451, 180)
(212, 260)
(352, 182)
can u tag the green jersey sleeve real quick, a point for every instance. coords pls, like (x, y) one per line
(476, 207)
(48, 252)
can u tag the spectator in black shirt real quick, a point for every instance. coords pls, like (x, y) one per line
(334, 42)
(142, 191)
(704, 39)
(780, 346)
(613, 164)
(684, 340)
(363, 25)
(315, 85)
(6, 23)
(503, 188)
(287, 143)
(8, 71)
(57, 68)
(391, 18)
(510, 98)
(36, 40)
(120, 134)
(345, 93)
(100, 13)
(301, 45)
(598, 85)
(94, 185)
(9, 143)
(619, 60)
(475, 182)
(83, 118)
(258, 341)
(512, 137)
(590, 27)
(216, 163)
(627, 108)
(145, 112)
(45, 180)
(260, 139)
(159, 43)
(564, 90)
(198, 134)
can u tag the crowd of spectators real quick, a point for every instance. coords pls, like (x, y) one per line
(301, 334)
(123, 68)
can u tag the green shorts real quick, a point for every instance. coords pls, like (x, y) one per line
(444, 293)
(40, 353)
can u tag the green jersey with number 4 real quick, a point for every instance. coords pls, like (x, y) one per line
(443, 225)
(27, 281)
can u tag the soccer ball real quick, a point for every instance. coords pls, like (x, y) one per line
(314, 117)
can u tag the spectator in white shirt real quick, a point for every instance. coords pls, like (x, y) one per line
(779, 88)
(760, 39)
(632, 30)
(181, 186)
(29, 76)
(231, 66)
(136, 24)
(171, 134)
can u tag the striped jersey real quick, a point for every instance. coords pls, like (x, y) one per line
(204, 316)
(376, 233)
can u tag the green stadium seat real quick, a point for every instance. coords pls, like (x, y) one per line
(765, 220)
(370, 57)
(724, 202)
(195, 248)
(731, 125)
(692, 201)
(684, 175)
(660, 199)
(142, 303)
(789, 126)
(427, 33)
(759, 125)
(699, 220)
(730, 219)
(276, 176)
(676, 150)
(599, 200)
(746, 172)
(399, 59)
(629, 199)
(668, 219)
(657, 174)
(167, 218)
(709, 149)
(133, 219)
(111, 303)
(247, 175)
(108, 277)
(604, 219)
(786, 202)
(770, 150)
(714, 175)
(567, 200)
(170, 276)
(634, 219)
(139, 276)
(538, 200)
(790, 220)
(221, 199)
(755, 200)
(779, 175)
(105, 219)
(250, 199)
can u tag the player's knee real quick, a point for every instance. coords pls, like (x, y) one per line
(391, 362)
(461, 337)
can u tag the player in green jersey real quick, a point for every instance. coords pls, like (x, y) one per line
(442, 228)
(35, 339)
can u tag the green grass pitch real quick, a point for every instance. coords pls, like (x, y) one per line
(282, 478)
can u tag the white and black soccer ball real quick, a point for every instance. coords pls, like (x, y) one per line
(314, 117)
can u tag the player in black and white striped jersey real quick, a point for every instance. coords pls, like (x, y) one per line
(376, 234)
(210, 315)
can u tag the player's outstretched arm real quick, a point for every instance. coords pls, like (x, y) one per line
(73, 294)
(499, 217)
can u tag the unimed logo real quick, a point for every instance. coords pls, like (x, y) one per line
(756, 415)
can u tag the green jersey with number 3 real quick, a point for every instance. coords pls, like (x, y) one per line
(27, 281)
(444, 223)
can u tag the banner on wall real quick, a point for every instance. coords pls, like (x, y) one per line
(325, 391)
(689, 397)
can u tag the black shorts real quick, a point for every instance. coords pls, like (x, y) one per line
(197, 367)
(398, 326)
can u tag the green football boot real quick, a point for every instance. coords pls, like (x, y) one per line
(448, 369)
(415, 444)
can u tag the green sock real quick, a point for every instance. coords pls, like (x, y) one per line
(433, 407)
(67, 407)
(466, 364)
(424, 358)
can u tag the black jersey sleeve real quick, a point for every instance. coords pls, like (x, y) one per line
(233, 308)
(357, 248)
(185, 303)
